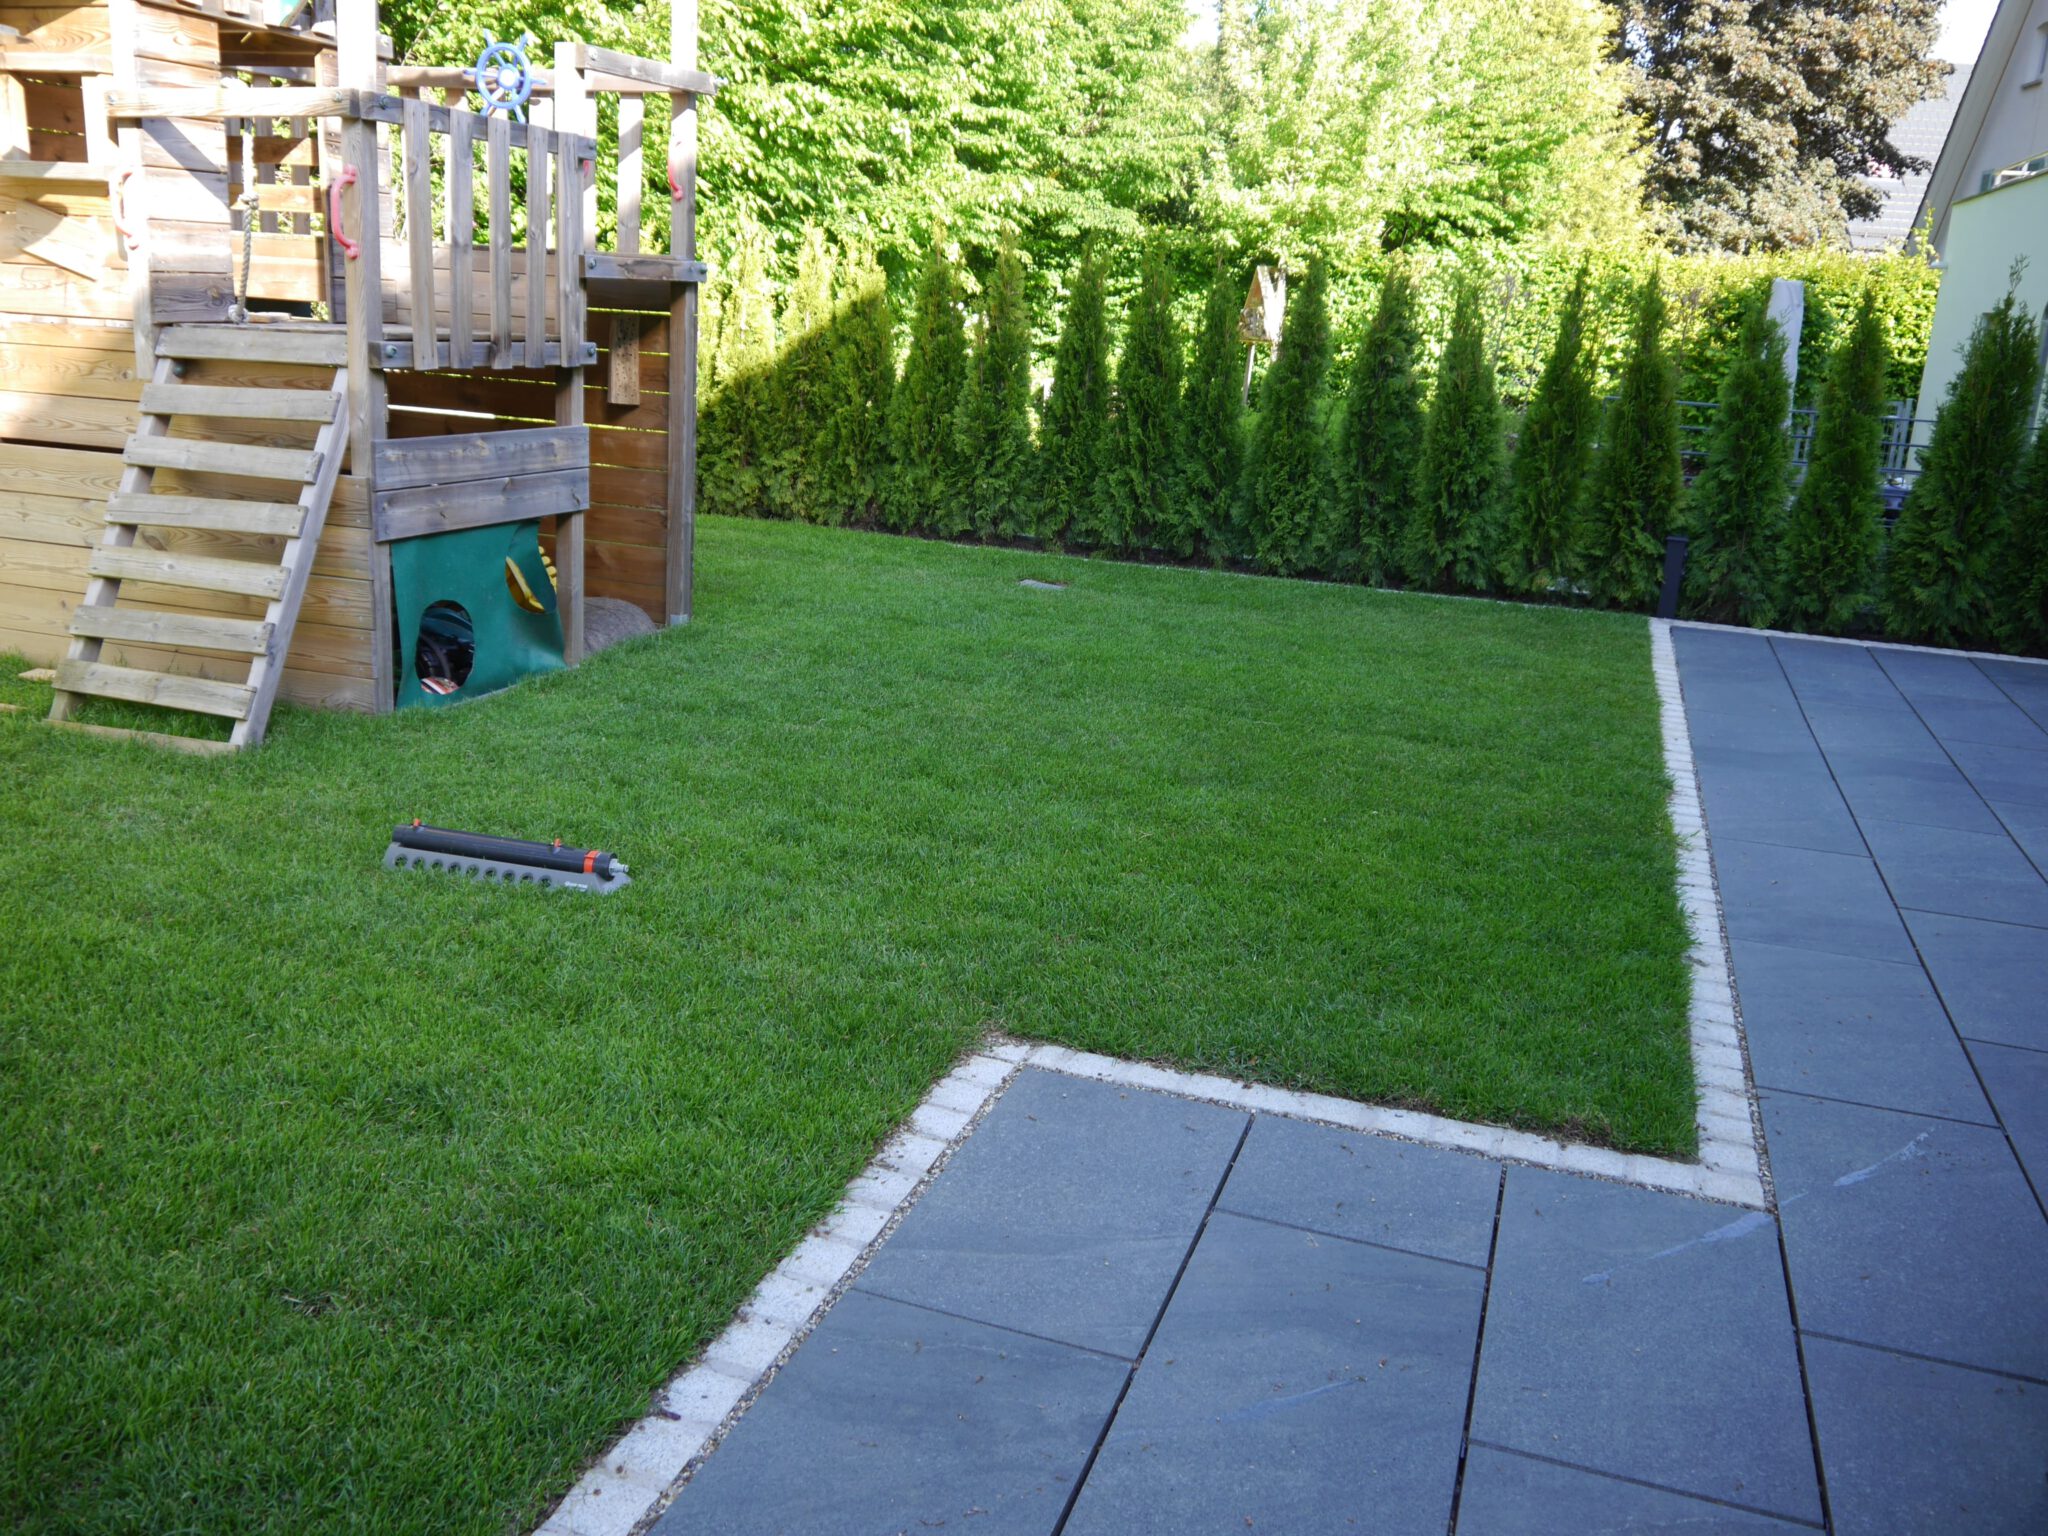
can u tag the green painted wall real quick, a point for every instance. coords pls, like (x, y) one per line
(1986, 235)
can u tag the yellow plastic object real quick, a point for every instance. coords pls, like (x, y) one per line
(522, 593)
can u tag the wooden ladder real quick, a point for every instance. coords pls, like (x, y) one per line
(135, 504)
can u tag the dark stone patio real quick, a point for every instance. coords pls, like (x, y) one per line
(1120, 1311)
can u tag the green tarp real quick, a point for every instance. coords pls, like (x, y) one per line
(467, 568)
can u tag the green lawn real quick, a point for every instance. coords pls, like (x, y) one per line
(338, 1199)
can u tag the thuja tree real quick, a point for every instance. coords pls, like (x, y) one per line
(734, 433)
(1941, 573)
(997, 469)
(795, 406)
(1143, 502)
(1736, 512)
(1212, 412)
(1379, 441)
(2023, 608)
(851, 454)
(1832, 534)
(1555, 446)
(1077, 411)
(1632, 495)
(1454, 530)
(922, 408)
(1288, 490)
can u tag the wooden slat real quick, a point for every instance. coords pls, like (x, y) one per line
(216, 103)
(222, 458)
(461, 234)
(243, 578)
(654, 72)
(163, 688)
(256, 343)
(419, 226)
(538, 187)
(569, 186)
(601, 265)
(404, 462)
(478, 503)
(498, 180)
(198, 746)
(270, 518)
(202, 631)
(239, 404)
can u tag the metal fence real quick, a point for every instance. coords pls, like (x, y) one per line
(1898, 465)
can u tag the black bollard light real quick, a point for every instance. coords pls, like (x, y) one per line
(1674, 575)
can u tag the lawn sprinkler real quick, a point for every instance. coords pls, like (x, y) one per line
(509, 860)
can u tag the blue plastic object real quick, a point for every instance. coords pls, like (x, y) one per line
(503, 76)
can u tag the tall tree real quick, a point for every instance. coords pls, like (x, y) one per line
(1736, 511)
(997, 468)
(735, 435)
(1551, 455)
(795, 402)
(2023, 610)
(1760, 116)
(1077, 411)
(925, 402)
(1454, 533)
(1833, 533)
(1379, 442)
(1632, 496)
(1942, 571)
(852, 450)
(1289, 498)
(1212, 410)
(1143, 496)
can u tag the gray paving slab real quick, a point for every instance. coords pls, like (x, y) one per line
(1646, 1336)
(1936, 675)
(1911, 1446)
(1889, 730)
(2018, 774)
(1842, 1027)
(1067, 1214)
(1511, 1495)
(1911, 1234)
(1298, 1383)
(1992, 977)
(2026, 825)
(1725, 652)
(892, 1419)
(2026, 684)
(1807, 899)
(1424, 1199)
(1899, 787)
(2018, 1084)
(1964, 874)
(1775, 796)
(1960, 702)
(1822, 673)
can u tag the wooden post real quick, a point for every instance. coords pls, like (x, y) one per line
(356, 67)
(124, 21)
(682, 350)
(576, 222)
(622, 371)
(461, 236)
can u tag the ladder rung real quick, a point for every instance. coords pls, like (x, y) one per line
(249, 578)
(241, 404)
(254, 343)
(164, 688)
(143, 627)
(199, 746)
(298, 464)
(208, 513)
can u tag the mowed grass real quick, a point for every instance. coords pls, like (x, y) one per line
(344, 1200)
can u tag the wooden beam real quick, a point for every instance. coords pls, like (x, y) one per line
(539, 185)
(498, 183)
(419, 228)
(206, 632)
(409, 461)
(648, 72)
(602, 265)
(198, 746)
(213, 103)
(425, 509)
(461, 183)
(168, 689)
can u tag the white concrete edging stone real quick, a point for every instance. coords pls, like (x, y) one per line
(630, 1484)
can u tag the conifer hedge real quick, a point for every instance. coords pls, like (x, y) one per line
(1289, 493)
(1379, 444)
(1077, 411)
(1143, 499)
(1632, 498)
(1454, 531)
(1551, 457)
(996, 490)
(1941, 572)
(921, 414)
(1829, 563)
(2023, 610)
(851, 453)
(1212, 411)
(1736, 510)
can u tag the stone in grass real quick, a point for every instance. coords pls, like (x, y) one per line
(608, 620)
(1042, 586)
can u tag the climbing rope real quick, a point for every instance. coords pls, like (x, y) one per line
(249, 204)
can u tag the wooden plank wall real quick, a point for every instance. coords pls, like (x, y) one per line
(626, 527)
(61, 430)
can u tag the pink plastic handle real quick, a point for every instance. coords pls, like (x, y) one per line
(675, 188)
(345, 179)
(121, 208)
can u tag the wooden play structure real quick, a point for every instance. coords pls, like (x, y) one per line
(276, 314)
